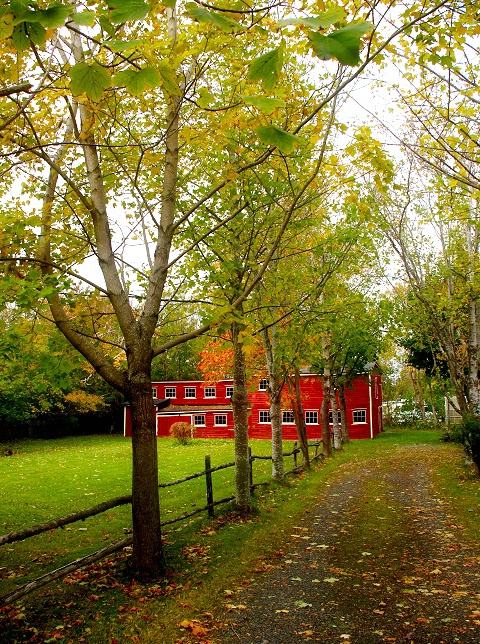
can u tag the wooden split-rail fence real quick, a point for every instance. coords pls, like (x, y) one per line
(65, 570)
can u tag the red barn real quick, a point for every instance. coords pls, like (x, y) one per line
(209, 409)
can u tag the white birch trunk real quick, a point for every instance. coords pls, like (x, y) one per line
(275, 385)
(473, 312)
(337, 434)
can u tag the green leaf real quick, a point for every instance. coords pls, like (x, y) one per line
(205, 97)
(55, 15)
(19, 6)
(138, 81)
(106, 25)
(125, 10)
(6, 26)
(267, 68)
(263, 103)
(169, 78)
(123, 45)
(89, 79)
(202, 15)
(169, 3)
(37, 34)
(20, 38)
(84, 19)
(273, 135)
(322, 21)
(343, 44)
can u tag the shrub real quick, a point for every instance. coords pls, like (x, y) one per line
(183, 432)
(468, 435)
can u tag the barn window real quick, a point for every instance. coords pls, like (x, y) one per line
(311, 417)
(154, 392)
(170, 392)
(264, 416)
(190, 392)
(262, 385)
(229, 392)
(199, 420)
(210, 392)
(287, 417)
(359, 415)
(221, 419)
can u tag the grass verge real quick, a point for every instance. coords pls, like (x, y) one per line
(208, 560)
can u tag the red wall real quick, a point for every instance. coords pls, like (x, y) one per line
(365, 394)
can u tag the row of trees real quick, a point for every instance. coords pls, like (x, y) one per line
(172, 170)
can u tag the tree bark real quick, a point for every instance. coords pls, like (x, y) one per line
(417, 390)
(327, 389)
(471, 236)
(275, 385)
(337, 436)
(148, 555)
(299, 415)
(240, 419)
(476, 467)
(326, 444)
(343, 413)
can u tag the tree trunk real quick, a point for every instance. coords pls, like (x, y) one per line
(414, 375)
(327, 392)
(299, 416)
(476, 468)
(432, 403)
(240, 420)
(471, 236)
(147, 538)
(337, 436)
(343, 413)
(275, 385)
(326, 445)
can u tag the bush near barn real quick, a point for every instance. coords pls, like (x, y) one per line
(183, 432)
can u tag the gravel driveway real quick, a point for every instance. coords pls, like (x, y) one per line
(378, 560)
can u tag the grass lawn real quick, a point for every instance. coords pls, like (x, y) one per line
(47, 479)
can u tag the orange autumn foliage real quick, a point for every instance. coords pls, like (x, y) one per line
(216, 362)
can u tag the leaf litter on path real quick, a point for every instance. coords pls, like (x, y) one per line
(401, 572)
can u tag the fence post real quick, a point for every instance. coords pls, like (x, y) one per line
(317, 443)
(250, 467)
(295, 455)
(208, 479)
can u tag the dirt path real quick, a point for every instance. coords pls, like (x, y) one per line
(378, 560)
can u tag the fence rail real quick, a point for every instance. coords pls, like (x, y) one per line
(124, 500)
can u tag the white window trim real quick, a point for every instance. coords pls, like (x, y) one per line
(211, 389)
(263, 381)
(359, 422)
(311, 411)
(264, 422)
(226, 391)
(204, 424)
(154, 392)
(194, 389)
(167, 395)
(220, 416)
(288, 422)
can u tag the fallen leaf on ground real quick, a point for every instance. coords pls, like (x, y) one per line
(302, 604)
